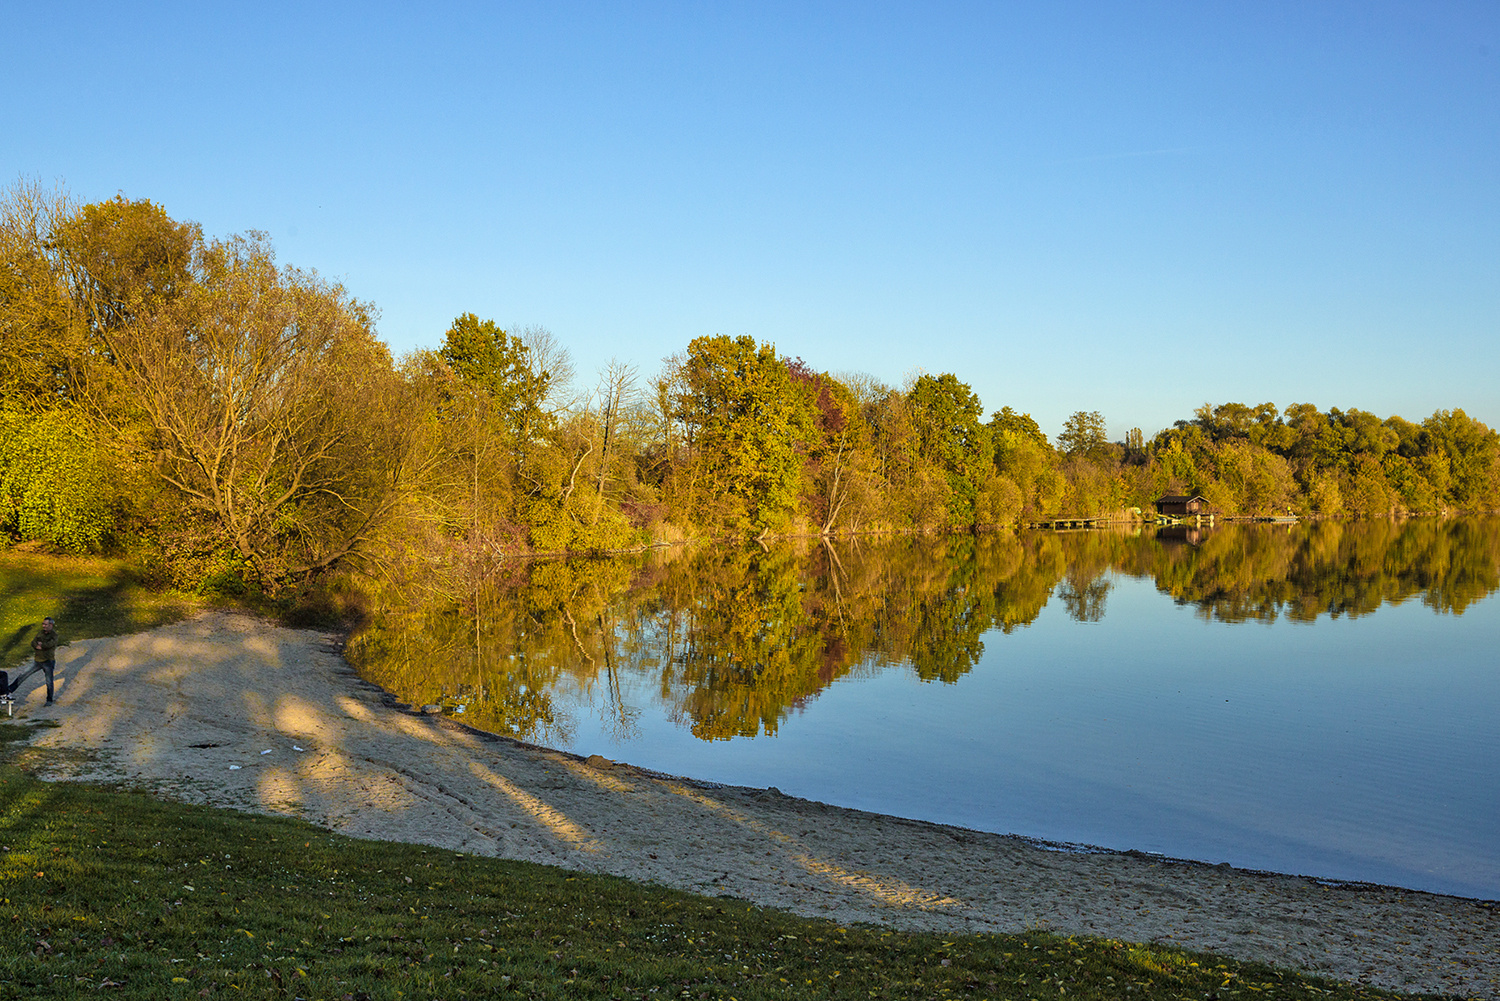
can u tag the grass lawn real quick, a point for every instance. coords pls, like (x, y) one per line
(87, 596)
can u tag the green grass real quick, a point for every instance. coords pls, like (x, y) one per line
(87, 596)
(118, 891)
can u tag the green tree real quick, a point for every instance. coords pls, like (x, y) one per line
(1472, 452)
(1007, 424)
(1024, 456)
(498, 365)
(951, 437)
(1083, 434)
(747, 426)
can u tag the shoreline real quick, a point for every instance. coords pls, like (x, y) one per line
(227, 710)
(1039, 843)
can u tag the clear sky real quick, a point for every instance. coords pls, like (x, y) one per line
(1134, 208)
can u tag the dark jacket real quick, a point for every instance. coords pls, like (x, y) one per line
(44, 644)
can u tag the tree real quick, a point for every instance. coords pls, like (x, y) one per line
(747, 426)
(839, 468)
(57, 480)
(946, 413)
(41, 340)
(1024, 456)
(551, 364)
(276, 416)
(1083, 434)
(1472, 452)
(616, 398)
(126, 260)
(1317, 445)
(498, 365)
(70, 274)
(1364, 436)
(591, 470)
(1012, 428)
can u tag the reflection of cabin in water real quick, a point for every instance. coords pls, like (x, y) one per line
(1190, 534)
(1179, 506)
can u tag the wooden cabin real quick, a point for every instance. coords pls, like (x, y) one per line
(1179, 506)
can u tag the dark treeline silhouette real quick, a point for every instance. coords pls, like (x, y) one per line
(235, 424)
(731, 639)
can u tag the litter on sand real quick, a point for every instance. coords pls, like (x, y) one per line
(234, 768)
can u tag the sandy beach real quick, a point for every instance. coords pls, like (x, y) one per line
(230, 711)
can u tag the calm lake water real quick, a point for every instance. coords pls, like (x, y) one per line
(1319, 699)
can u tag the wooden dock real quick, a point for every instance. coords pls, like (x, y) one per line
(1058, 524)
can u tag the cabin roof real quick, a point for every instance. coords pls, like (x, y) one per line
(1179, 498)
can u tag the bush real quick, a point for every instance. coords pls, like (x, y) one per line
(56, 481)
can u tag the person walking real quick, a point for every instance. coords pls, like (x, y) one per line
(45, 660)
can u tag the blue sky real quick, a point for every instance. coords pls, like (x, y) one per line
(1131, 208)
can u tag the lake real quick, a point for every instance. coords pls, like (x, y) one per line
(1319, 699)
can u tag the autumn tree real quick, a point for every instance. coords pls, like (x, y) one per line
(952, 439)
(614, 401)
(747, 427)
(68, 274)
(1083, 434)
(1471, 453)
(529, 447)
(41, 338)
(592, 448)
(839, 481)
(276, 416)
(1025, 457)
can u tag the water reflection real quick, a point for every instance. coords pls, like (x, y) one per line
(734, 639)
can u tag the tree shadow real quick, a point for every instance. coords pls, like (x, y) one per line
(15, 641)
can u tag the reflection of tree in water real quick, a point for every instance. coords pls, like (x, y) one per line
(1334, 568)
(1084, 599)
(623, 719)
(730, 639)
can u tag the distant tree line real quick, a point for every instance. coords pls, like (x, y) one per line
(235, 423)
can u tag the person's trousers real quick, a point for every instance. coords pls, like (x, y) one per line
(46, 667)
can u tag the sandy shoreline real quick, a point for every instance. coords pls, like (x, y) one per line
(174, 710)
